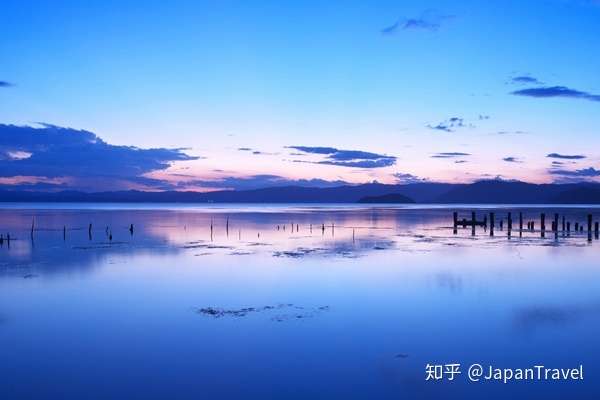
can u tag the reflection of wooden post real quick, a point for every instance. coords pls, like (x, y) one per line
(491, 224)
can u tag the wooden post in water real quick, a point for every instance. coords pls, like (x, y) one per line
(90, 231)
(510, 221)
(520, 223)
(556, 222)
(455, 222)
(227, 226)
(589, 221)
(491, 224)
(543, 221)
(32, 227)
(563, 223)
(596, 229)
(576, 226)
(473, 221)
(64, 233)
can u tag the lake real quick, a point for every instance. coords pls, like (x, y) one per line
(291, 301)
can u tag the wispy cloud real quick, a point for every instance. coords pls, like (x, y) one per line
(450, 155)
(449, 125)
(405, 178)
(512, 159)
(81, 159)
(429, 21)
(566, 156)
(590, 172)
(5, 84)
(347, 158)
(525, 80)
(257, 182)
(556, 91)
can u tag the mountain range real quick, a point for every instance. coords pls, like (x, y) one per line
(487, 192)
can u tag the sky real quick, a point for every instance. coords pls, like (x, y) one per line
(206, 95)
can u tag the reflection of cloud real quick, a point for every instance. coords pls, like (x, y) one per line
(550, 315)
(347, 158)
(83, 159)
(450, 281)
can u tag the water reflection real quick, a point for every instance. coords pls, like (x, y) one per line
(371, 295)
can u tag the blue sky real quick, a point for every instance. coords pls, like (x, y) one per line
(376, 77)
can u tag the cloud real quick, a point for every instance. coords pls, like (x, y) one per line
(4, 84)
(347, 158)
(449, 155)
(81, 159)
(460, 161)
(525, 79)
(566, 156)
(259, 181)
(556, 91)
(483, 117)
(582, 173)
(512, 160)
(244, 149)
(405, 178)
(449, 125)
(429, 21)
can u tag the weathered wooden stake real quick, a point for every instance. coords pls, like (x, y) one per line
(473, 223)
(90, 231)
(521, 222)
(543, 222)
(491, 224)
(589, 221)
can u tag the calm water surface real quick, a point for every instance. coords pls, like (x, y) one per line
(289, 302)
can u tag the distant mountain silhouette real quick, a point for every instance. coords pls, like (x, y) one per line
(392, 198)
(489, 192)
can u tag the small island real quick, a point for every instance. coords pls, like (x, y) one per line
(390, 198)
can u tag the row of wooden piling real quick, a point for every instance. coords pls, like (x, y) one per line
(565, 225)
(108, 233)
